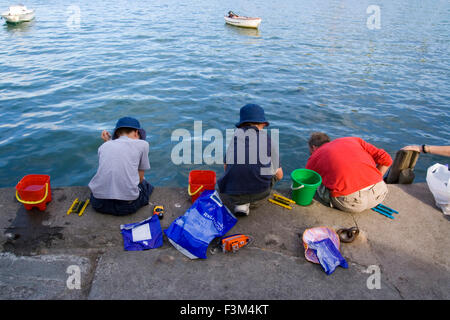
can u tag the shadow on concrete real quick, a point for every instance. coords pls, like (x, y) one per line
(421, 192)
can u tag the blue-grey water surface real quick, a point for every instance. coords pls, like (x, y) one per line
(313, 66)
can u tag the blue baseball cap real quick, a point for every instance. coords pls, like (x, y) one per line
(128, 122)
(252, 113)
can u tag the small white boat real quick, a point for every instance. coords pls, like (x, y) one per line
(18, 13)
(241, 21)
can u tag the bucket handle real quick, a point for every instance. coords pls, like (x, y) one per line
(193, 194)
(301, 186)
(33, 202)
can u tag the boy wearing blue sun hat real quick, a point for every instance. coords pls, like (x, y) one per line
(252, 164)
(119, 186)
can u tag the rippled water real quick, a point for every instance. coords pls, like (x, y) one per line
(313, 65)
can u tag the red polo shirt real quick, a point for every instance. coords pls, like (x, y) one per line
(347, 165)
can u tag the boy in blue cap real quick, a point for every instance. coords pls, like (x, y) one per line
(252, 162)
(119, 186)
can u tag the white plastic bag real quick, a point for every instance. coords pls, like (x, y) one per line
(438, 180)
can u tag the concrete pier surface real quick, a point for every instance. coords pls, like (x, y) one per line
(41, 252)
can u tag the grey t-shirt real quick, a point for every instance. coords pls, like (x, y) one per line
(117, 176)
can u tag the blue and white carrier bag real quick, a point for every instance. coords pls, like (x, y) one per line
(205, 220)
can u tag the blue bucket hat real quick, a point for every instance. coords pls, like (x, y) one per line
(128, 122)
(252, 113)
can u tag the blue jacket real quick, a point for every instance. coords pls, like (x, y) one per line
(249, 167)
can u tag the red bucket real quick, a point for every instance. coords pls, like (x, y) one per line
(34, 191)
(199, 181)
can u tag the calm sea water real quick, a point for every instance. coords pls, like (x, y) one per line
(313, 65)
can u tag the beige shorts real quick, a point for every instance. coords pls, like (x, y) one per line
(361, 200)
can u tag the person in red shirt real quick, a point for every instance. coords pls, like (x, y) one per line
(352, 171)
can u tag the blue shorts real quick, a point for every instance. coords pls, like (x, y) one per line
(123, 207)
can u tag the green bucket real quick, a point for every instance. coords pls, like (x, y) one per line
(304, 185)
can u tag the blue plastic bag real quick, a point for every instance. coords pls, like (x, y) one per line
(329, 256)
(205, 220)
(142, 235)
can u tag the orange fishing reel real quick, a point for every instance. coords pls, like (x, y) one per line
(234, 242)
